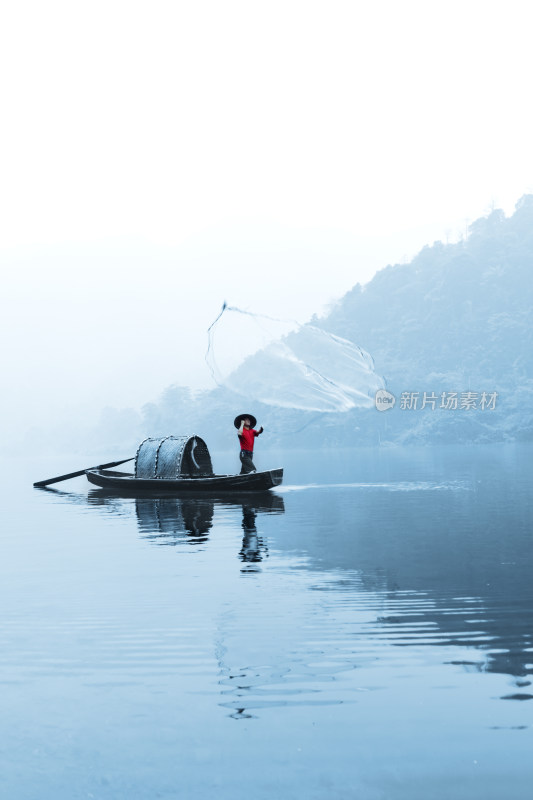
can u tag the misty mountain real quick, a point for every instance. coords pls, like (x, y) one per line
(454, 322)
(458, 318)
(457, 314)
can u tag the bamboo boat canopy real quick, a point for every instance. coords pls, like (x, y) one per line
(173, 457)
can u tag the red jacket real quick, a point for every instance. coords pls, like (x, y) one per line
(247, 438)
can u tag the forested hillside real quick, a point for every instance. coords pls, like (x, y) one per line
(458, 318)
(456, 322)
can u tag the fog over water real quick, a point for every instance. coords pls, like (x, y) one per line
(208, 154)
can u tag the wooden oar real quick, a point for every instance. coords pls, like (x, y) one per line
(81, 472)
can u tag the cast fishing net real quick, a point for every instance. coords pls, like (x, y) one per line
(285, 364)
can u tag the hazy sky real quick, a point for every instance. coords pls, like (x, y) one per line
(160, 157)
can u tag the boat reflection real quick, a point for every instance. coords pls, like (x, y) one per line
(188, 519)
(178, 520)
(171, 521)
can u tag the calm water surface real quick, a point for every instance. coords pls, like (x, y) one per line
(365, 632)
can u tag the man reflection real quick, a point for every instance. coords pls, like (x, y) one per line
(253, 546)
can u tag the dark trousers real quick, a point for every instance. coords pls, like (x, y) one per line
(247, 465)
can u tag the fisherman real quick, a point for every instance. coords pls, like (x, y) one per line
(245, 424)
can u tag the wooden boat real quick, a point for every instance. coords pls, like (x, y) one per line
(128, 483)
(179, 465)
